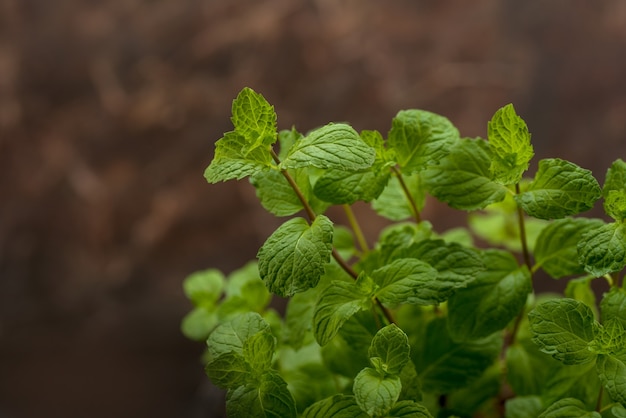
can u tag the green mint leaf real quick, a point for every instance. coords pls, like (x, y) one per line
(564, 382)
(456, 266)
(556, 247)
(337, 303)
(395, 240)
(603, 250)
(510, 142)
(198, 324)
(276, 194)
(376, 393)
(286, 139)
(245, 291)
(346, 187)
(338, 406)
(560, 188)
(292, 259)
(462, 179)
(613, 305)
(299, 317)
(580, 289)
(254, 119)
(230, 337)
(409, 409)
(344, 358)
(234, 160)
(612, 373)
(614, 190)
(258, 351)
(444, 365)
(568, 407)
(407, 280)
(523, 407)
(468, 400)
(229, 370)
(564, 328)
(336, 145)
(393, 203)
(528, 368)
(610, 339)
(204, 288)
(267, 398)
(419, 138)
(491, 301)
(389, 350)
(411, 387)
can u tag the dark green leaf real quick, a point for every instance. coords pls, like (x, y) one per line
(510, 142)
(347, 187)
(376, 393)
(419, 137)
(580, 289)
(408, 409)
(523, 407)
(269, 398)
(613, 305)
(229, 370)
(299, 317)
(292, 259)
(491, 301)
(337, 303)
(612, 372)
(407, 280)
(335, 145)
(258, 351)
(560, 189)
(389, 350)
(462, 179)
(603, 250)
(338, 406)
(444, 365)
(564, 328)
(568, 407)
(556, 247)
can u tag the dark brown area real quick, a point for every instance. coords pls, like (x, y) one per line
(108, 115)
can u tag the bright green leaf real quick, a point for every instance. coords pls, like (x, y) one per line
(346, 187)
(614, 190)
(556, 246)
(564, 328)
(234, 160)
(198, 324)
(335, 145)
(337, 303)
(408, 409)
(338, 406)
(229, 370)
(389, 350)
(204, 288)
(254, 118)
(407, 280)
(568, 407)
(510, 142)
(393, 202)
(268, 398)
(276, 194)
(231, 336)
(419, 138)
(462, 178)
(376, 393)
(560, 188)
(258, 350)
(491, 301)
(292, 259)
(602, 250)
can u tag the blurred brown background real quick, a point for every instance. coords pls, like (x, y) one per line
(108, 114)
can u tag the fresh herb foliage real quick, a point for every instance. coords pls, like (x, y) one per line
(421, 323)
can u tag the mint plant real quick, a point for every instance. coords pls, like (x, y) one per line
(423, 323)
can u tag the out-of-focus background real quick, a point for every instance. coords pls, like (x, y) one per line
(108, 115)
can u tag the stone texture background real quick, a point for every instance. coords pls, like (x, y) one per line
(108, 115)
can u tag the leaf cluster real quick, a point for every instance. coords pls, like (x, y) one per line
(419, 323)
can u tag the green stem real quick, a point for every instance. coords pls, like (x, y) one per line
(356, 228)
(407, 193)
(522, 233)
(311, 214)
